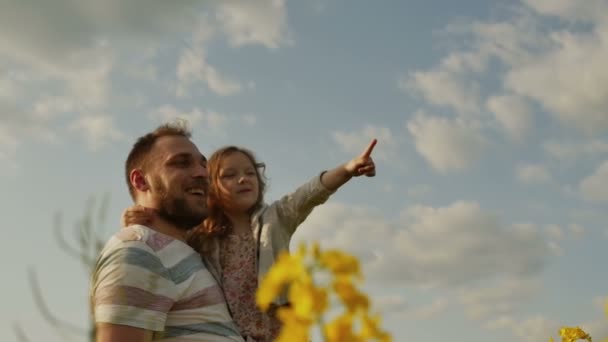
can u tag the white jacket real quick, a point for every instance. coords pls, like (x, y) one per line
(273, 226)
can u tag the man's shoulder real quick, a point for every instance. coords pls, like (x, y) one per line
(146, 238)
(141, 252)
(134, 233)
(143, 245)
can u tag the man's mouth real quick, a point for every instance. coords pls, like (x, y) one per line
(196, 191)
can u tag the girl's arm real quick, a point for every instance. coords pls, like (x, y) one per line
(293, 208)
(360, 165)
(137, 214)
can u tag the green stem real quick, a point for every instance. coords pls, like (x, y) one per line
(321, 323)
(320, 320)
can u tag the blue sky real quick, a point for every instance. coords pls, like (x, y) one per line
(486, 220)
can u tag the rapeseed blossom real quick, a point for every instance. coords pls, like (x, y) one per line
(310, 299)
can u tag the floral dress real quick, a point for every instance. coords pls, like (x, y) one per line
(240, 282)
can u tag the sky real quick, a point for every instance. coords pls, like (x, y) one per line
(486, 220)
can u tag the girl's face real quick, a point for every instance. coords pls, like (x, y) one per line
(237, 182)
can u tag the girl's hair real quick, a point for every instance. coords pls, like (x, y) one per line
(217, 223)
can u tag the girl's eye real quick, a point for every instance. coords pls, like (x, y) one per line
(227, 176)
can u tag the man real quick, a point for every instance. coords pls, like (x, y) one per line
(148, 284)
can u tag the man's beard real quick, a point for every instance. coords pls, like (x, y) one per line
(177, 211)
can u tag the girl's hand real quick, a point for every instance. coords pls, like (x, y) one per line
(363, 164)
(137, 214)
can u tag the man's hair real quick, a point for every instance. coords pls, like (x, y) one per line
(139, 155)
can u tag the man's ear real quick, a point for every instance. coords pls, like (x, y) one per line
(138, 180)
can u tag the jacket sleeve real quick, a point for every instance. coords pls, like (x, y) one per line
(293, 208)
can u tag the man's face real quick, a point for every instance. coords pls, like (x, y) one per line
(177, 174)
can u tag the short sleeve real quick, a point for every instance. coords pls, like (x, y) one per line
(132, 287)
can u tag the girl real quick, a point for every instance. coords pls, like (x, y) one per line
(242, 235)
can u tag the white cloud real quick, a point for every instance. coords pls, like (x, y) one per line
(355, 142)
(61, 68)
(447, 144)
(148, 73)
(208, 119)
(220, 84)
(559, 66)
(479, 247)
(576, 229)
(502, 322)
(260, 22)
(491, 303)
(512, 41)
(554, 231)
(193, 67)
(571, 150)
(392, 304)
(8, 147)
(555, 248)
(568, 79)
(90, 87)
(96, 130)
(429, 311)
(597, 329)
(41, 102)
(535, 329)
(50, 107)
(69, 28)
(538, 328)
(244, 23)
(444, 88)
(595, 187)
(9, 87)
(589, 10)
(16, 124)
(513, 113)
(600, 302)
(250, 119)
(419, 190)
(396, 306)
(533, 173)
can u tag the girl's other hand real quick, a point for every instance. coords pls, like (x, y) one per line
(137, 214)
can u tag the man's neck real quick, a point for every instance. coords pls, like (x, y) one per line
(158, 223)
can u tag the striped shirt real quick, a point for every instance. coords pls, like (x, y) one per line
(149, 280)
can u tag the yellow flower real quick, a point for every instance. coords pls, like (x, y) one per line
(339, 263)
(573, 334)
(316, 251)
(286, 269)
(294, 329)
(349, 295)
(341, 329)
(307, 300)
(370, 329)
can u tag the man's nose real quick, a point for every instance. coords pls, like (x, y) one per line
(200, 171)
